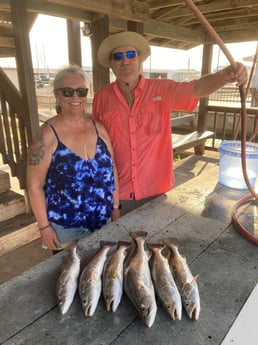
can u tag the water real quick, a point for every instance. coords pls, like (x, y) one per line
(233, 178)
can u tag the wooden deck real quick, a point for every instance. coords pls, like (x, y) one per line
(198, 213)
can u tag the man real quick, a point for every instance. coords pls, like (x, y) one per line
(136, 112)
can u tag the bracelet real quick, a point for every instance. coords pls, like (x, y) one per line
(44, 227)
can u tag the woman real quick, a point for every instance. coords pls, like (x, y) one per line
(71, 175)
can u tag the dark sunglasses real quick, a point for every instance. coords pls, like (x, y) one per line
(69, 91)
(119, 55)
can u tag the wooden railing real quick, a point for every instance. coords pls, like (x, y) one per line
(13, 138)
(230, 96)
(223, 121)
(226, 124)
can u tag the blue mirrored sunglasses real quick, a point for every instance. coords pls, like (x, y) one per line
(69, 91)
(119, 55)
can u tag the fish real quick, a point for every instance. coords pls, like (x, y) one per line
(186, 282)
(90, 284)
(113, 276)
(164, 282)
(138, 284)
(67, 282)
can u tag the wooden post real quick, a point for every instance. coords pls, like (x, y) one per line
(74, 42)
(203, 113)
(100, 30)
(206, 68)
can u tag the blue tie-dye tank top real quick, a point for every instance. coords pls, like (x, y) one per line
(79, 191)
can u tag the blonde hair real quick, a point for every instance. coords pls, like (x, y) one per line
(69, 69)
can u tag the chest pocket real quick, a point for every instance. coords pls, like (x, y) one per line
(112, 122)
(152, 118)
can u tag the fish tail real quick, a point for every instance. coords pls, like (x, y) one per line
(107, 243)
(74, 252)
(126, 244)
(154, 246)
(172, 241)
(70, 244)
(138, 234)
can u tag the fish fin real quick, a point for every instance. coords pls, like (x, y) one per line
(75, 251)
(153, 246)
(70, 245)
(167, 255)
(124, 244)
(107, 243)
(137, 234)
(171, 242)
(166, 252)
(195, 278)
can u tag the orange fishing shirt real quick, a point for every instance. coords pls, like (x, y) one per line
(141, 136)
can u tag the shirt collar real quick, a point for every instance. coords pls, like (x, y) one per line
(140, 85)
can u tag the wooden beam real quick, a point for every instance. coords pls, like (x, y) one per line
(163, 31)
(7, 42)
(170, 31)
(62, 11)
(127, 9)
(242, 36)
(213, 6)
(135, 26)
(157, 4)
(7, 52)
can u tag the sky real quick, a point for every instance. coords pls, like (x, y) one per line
(48, 39)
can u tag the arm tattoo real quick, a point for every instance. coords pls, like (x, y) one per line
(37, 153)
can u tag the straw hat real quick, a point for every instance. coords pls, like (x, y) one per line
(123, 39)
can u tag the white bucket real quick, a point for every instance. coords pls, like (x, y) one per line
(230, 165)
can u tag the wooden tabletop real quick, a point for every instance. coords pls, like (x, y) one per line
(198, 213)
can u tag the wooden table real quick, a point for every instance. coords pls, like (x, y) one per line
(197, 212)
